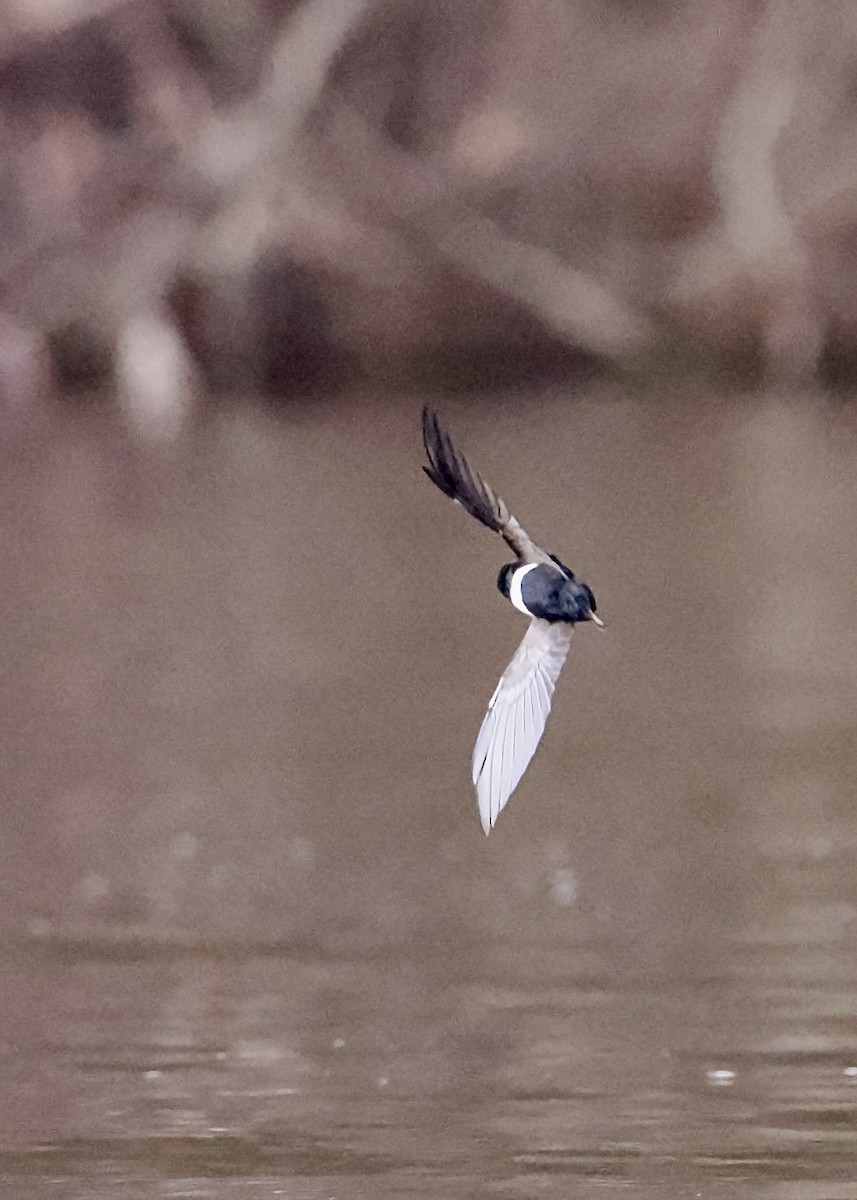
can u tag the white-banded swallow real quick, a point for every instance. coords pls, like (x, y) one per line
(542, 588)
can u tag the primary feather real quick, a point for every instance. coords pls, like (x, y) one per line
(517, 715)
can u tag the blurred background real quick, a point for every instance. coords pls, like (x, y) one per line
(253, 941)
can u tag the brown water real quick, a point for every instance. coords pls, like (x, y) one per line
(254, 940)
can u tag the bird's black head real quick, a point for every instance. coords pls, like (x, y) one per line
(586, 602)
(504, 579)
(579, 602)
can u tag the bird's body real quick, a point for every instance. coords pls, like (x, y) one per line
(546, 591)
(541, 587)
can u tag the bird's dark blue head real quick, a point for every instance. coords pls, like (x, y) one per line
(587, 603)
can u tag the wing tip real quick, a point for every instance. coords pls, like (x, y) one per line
(489, 809)
(486, 817)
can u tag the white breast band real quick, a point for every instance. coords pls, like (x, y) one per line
(515, 587)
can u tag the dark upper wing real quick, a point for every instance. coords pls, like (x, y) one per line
(452, 473)
(517, 715)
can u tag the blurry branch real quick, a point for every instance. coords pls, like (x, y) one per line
(250, 151)
(51, 16)
(302, 59)
(576, 307)
(241, 154)
(132, 219)
(754, 248)
(211, 191)
(269, 124)
(758, 113)
(418, 198)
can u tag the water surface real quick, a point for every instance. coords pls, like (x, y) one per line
(254, 942)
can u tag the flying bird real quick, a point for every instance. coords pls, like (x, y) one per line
(541, 587)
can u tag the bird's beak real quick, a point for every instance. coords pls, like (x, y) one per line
(597, 620)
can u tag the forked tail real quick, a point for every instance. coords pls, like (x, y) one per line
(455, 477)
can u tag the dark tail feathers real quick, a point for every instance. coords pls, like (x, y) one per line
(450, 471)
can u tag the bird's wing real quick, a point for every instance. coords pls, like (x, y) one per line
(517, 715)
(455, 477)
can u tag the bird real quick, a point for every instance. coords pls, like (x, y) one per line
(539, 586)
